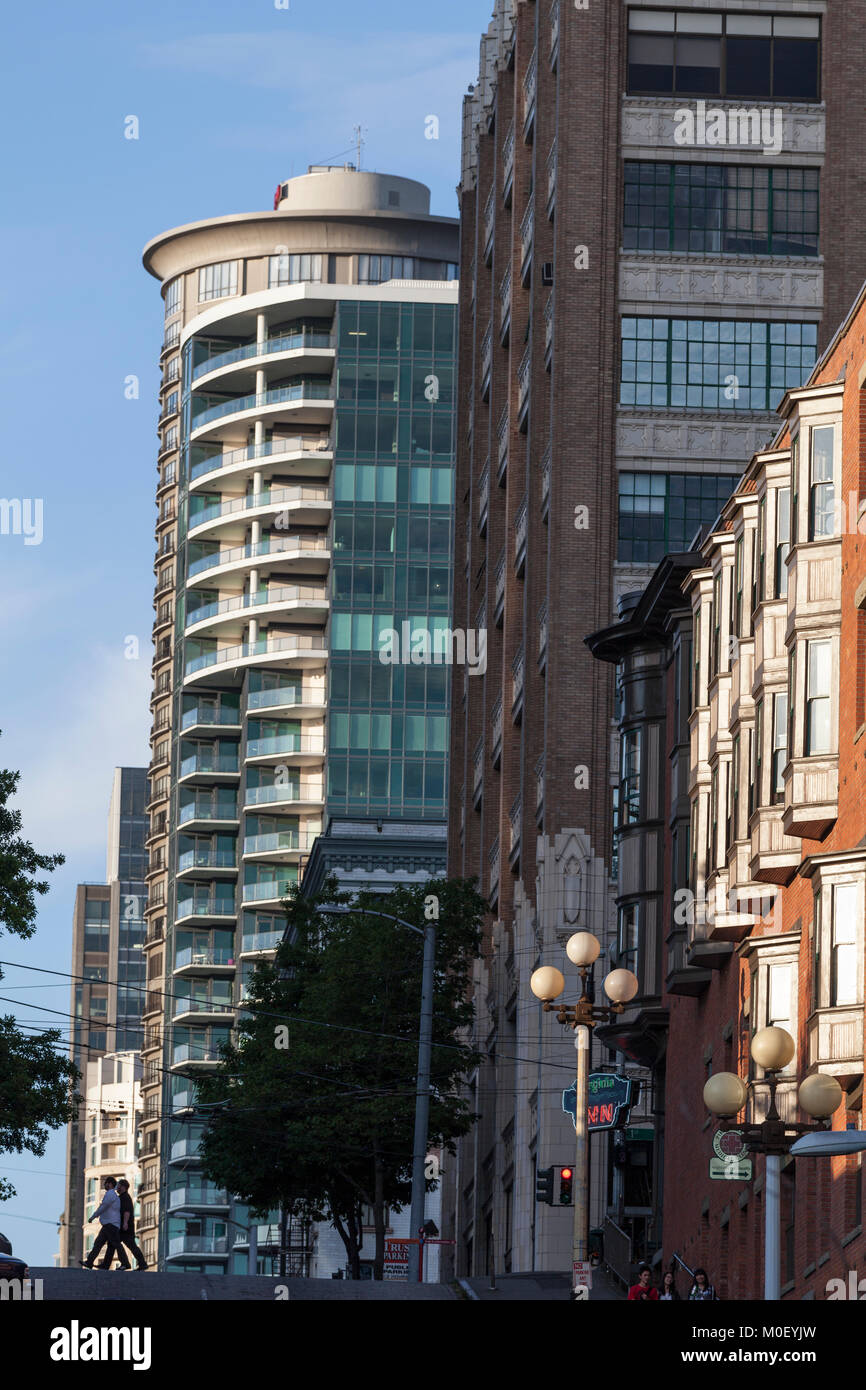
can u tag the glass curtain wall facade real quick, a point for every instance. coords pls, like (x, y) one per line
(393, 488)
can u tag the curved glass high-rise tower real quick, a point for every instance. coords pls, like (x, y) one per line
(305, 508)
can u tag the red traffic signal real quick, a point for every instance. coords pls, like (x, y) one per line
(565, 1185)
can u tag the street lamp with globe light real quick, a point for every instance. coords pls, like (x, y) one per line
(725, 1094)
(547, 984)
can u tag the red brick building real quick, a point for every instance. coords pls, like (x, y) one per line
(764, 673)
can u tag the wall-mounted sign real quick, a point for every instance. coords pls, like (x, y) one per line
(731, 1162)
(608, 1103)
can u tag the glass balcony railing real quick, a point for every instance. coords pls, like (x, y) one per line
(198, 1245)
(205, 907)
(207, 859)
(190, 1004)
(253, 551)
(313, 390)
(208, 715)
(269, 890)
(257, 796)
(204, 955)
(184, 1148)
(193, 1052)
(278, 840)
(288, 342)
(283, 645)
(261, 941)
(198, 1195)
(294, 444)
(285, 743)
(207, 810)
(283, 695)
(205, 762)
(289, 593)
(276, 497)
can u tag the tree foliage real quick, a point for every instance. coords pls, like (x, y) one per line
(36, 1083)
(324, 1125)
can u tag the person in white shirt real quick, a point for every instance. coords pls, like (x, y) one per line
(108, 1213)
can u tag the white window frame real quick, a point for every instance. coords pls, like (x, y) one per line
(217, 281)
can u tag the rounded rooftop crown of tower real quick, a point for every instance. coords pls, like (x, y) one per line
(343, 188)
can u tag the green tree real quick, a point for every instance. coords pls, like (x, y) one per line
(36, 1083)
(314, 1104)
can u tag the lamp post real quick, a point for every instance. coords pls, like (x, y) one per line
(725, 1094)
(620, 986)
(425, 1048)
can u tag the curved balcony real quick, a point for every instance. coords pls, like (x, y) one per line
(196, 862)
(302, 551)
(299, 748)
(192, 1055)
(287, 698)
(204, 1246)
(184, 1150)
(201, 1010)
(270, 893)
(204, 960)
(310, 796)
(283, 845)
(208, 767)
(299, 650)
(207, 815)
(216, 910)
(313, 399)
(253, 943)
(202, 1196)
(310, 456)
(301, 600)
(308, 505)
(293, 345)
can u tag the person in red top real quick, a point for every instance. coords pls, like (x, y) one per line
(642, 1291)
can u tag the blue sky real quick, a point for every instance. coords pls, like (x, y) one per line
(230, 99)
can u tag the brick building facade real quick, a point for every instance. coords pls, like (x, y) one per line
(744, 664)
(632, 309)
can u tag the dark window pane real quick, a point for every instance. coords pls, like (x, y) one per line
(795, 69)
(748, 73)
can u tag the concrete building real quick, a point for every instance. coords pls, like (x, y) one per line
(660, 227)
(305, 501)
(107, 990)
(112, 1099)
(744, 666)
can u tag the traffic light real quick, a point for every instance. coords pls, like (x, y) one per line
(566, 1179)
(544, 1185)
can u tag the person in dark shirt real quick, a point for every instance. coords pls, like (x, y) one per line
(127, 1223)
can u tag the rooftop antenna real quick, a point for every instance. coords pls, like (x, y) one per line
(360, 143)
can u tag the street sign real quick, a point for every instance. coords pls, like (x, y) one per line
(581, 1273)
(733, 1169)
(828, 1142)
(396, 1263)
(731, 1161)
(608, 1102)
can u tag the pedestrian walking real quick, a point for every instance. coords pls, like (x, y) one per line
(108, 1213)
(643, 1291)
(702, 1289)
(127, 1224)
(669, 1293)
